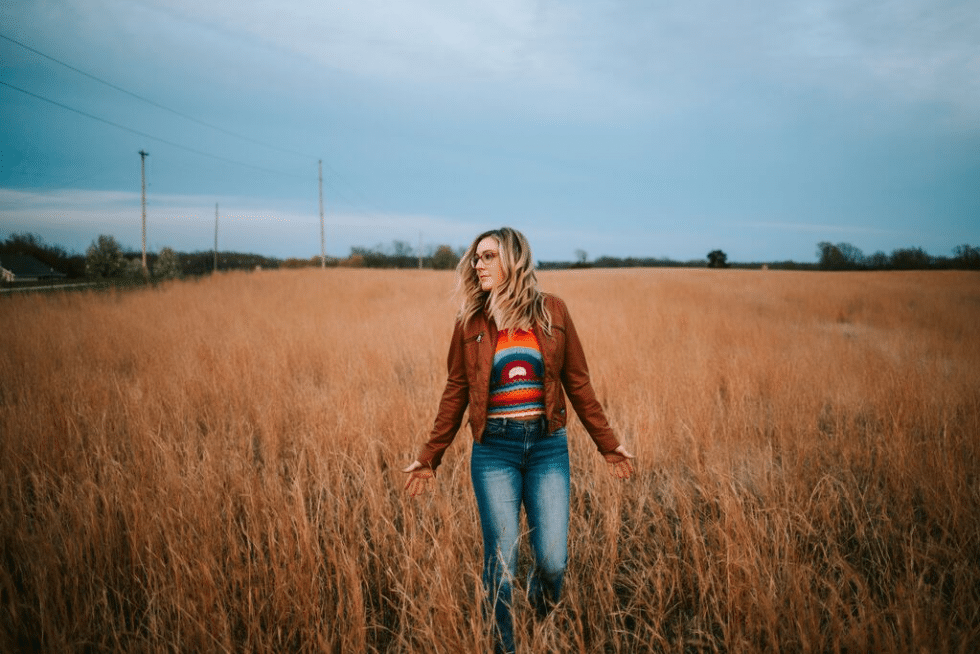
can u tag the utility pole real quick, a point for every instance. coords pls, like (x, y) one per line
(323, 241)
(215, 237)
(420, 249)
(143, 155)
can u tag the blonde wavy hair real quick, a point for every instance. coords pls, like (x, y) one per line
(517, 303)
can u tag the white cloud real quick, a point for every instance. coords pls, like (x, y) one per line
(74, 218)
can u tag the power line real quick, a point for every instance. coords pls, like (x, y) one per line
(336, 174)
(150, 136)
(156, 104)
(373, 212)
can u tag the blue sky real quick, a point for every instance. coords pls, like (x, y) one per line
(618, 127)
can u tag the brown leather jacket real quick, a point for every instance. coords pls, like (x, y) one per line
(469, 362)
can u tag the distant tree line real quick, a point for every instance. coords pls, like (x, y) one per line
(105, 259)
(622, 262)
(397, 255)
(830, 256)
(401, 255)
(844, 256)
(202, 263)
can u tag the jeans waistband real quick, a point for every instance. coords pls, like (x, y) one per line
(503, 422)
(512, 428)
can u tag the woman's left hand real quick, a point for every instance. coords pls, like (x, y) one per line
(419, 478)
(620, 462)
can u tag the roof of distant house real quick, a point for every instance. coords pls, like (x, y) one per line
(24, 265)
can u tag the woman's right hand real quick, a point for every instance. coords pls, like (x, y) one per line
(620, 462)
(419, 478)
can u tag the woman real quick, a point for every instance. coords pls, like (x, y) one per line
(512, 351)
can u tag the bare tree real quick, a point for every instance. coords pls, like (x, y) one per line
(842, 256)
(444, 258)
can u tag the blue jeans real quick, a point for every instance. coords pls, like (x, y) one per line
(518, 463)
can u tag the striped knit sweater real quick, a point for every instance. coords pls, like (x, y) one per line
(517, 376)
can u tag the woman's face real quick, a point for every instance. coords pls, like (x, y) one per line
(487, 265)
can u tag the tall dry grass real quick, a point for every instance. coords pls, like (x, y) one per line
(213, 466)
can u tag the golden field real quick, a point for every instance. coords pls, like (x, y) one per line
(214, 465)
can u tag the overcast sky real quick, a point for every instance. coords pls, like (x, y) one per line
(617, 127)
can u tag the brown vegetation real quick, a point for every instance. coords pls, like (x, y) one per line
(213, 466)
